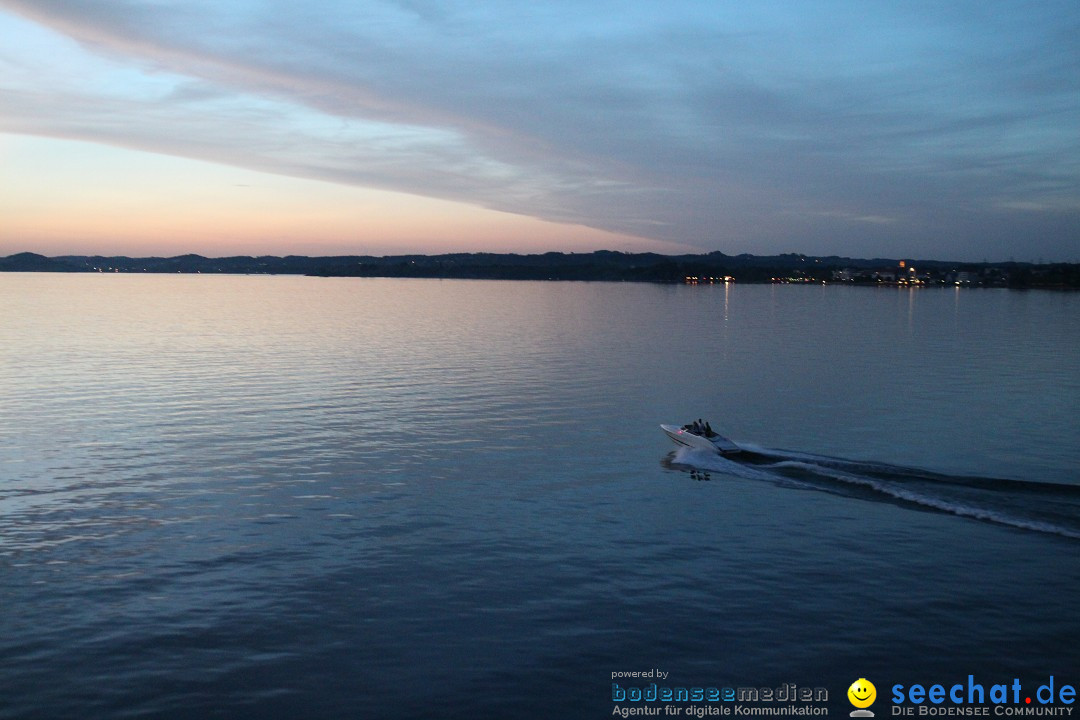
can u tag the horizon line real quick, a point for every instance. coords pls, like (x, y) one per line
(896, 259)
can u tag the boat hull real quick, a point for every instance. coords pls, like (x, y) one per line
(685, 438)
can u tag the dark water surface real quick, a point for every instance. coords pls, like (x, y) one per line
(285, 497)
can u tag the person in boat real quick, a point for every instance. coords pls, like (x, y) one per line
(708, 430)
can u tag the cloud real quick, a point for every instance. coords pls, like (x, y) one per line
(688, 122)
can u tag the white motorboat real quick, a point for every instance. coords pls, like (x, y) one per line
(685, 437)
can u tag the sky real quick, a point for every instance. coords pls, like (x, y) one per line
(944, 130)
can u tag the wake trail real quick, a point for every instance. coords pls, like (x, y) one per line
(1052, 508)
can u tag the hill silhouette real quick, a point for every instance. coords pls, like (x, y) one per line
(602, 265)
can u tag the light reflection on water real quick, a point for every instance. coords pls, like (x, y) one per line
(299, 496)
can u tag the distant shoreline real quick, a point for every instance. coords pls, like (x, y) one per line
(602, 265)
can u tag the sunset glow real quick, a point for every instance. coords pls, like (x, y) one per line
(63, 197)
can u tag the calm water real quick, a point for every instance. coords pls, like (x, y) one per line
(284, 497)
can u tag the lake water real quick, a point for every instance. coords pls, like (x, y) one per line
(288, 497)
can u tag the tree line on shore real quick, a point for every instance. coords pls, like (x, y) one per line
(603, 265)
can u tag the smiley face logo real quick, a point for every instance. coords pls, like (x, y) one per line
(862, 693)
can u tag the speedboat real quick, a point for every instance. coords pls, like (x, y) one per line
(685, 437)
